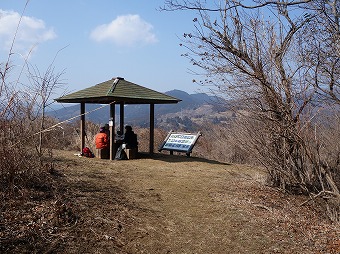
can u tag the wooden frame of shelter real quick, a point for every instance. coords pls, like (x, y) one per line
(117, 91)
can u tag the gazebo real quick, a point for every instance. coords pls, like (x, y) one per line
(117, 91)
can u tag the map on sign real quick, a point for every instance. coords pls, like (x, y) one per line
(181, 142)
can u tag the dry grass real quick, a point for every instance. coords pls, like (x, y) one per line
(164, 204)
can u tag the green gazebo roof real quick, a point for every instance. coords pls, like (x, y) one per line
(117, 90)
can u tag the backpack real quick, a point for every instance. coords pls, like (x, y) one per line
(120, 154)
(87, 152)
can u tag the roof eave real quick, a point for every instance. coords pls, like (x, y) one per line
(108, 100)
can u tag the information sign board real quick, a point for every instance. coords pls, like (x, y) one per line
(180, 142)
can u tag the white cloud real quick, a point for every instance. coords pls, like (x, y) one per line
(128, 30)
(31, 31)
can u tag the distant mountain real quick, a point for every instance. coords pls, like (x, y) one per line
(97, 113)
(138, 115)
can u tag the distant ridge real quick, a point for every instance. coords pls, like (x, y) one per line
(139, 114)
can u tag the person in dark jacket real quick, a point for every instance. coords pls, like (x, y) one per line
(130, 138)
(129, 142)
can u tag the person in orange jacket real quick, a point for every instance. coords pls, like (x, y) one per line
(101, 139)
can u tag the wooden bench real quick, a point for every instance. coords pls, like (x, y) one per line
(131, 153)
(103, 153)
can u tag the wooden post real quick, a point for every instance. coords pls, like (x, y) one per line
(152, 128)
(121, 120)
(112, 128)
(82, 125)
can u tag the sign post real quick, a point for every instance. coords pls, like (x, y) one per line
(179, 142)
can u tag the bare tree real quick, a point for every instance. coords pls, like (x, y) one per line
(22, 117)
(38, 95)
(262, 56)
(321, 53)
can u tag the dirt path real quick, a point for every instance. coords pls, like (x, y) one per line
(172, 204)
(181, 194)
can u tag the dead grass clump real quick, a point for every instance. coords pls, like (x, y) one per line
(218, 142)
(144, 137)
(18, 166)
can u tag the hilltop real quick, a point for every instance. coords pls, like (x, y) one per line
(163, 204)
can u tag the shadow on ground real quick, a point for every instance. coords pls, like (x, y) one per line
(178, 158)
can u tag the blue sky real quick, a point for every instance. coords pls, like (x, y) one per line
(100, 40)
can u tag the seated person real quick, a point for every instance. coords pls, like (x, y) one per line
(128, 142)
(130, 138)
(119, 137)
(101, 139)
